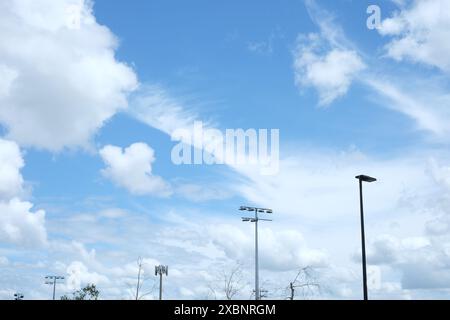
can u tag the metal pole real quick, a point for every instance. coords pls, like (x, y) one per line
(291, 285)
(54, 287)
(257, 293)
(138, 283)
(363, 242)
(160, 286)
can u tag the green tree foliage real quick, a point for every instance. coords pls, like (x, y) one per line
(90, 292)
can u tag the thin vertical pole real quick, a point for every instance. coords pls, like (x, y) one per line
(257, 293)
(138, 282)
(291, 285)
(363, 242)
(54, 287)
(160, 285)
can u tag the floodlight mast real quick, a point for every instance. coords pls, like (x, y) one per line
(52, 280)
(255, 220)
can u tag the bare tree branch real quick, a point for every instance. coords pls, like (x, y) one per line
(230, 283)
(141, 279)
(306, 282)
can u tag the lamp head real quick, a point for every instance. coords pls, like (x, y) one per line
(366, 178)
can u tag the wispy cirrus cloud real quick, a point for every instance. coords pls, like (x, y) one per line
(427, 103)
(156, 107)
(329, 62)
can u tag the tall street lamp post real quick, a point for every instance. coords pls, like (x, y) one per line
(363, 178)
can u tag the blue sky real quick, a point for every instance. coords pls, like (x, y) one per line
(87, 111)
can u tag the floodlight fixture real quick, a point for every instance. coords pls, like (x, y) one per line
(18, 296)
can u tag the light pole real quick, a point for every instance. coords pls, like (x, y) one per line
(18, 296)
(160, 270)
(255, 220)
(52, 280)
(361, 179)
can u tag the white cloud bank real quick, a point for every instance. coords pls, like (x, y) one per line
(59, 78)
(131, 169)
(11, 162)
(18, 224)
(283, 250)
(409, 206)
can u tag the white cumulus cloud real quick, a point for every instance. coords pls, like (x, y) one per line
(59, 78)
(131, 169)
(420, 33)
(330, 73)
(18, 224)
(10, 164)
(79, 275)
